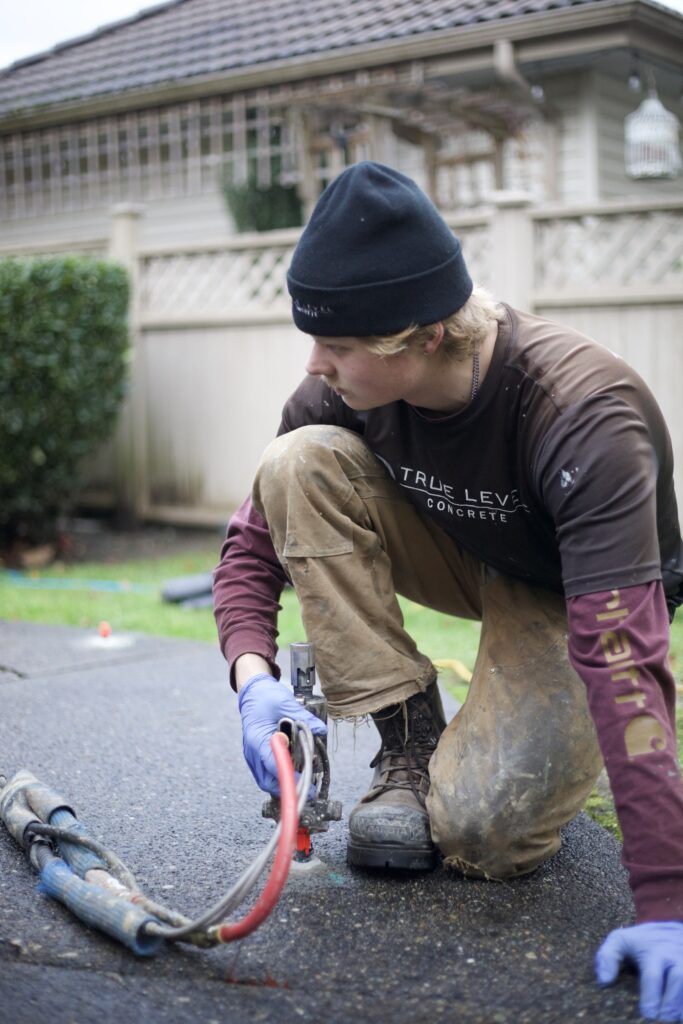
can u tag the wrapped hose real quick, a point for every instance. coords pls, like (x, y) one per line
(36, 817)
(99, 907)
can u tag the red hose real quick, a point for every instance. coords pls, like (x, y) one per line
(285, 848)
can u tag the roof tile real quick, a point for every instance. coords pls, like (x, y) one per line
(190, 38)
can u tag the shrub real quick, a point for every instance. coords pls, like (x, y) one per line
(63, 343)
(262, 208)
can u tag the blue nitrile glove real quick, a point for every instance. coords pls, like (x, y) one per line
(656, 948)
(263, 701)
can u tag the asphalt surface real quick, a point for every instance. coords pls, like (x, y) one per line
(142, 736)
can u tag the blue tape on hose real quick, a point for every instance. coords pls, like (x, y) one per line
(99, 908)
(77, 857)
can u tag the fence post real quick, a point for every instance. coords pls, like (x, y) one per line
(512, 249)
(130, 443)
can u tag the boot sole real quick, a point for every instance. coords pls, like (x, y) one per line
(397, 857)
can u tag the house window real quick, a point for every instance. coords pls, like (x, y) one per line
(143, 148)
(64, 162)
(227, 130)
(122, 148)
(102, 152)
(184, 138)
(183, 149)
(28, 167)
(45, 162)
(9, 169)
(205, 139)
(164, 141)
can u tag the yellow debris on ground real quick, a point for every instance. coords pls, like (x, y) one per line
(456, 666)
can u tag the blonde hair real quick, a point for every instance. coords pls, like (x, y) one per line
(464, 330)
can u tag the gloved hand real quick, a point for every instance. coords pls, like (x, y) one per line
(263, 701)
(656, 948)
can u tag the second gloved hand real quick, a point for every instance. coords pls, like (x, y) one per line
(656, 948)
(263, 701)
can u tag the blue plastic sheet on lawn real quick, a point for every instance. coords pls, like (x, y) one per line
(20, 579)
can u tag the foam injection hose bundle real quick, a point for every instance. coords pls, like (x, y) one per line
(93, 883)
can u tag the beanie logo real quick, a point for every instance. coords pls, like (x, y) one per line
(312, 311)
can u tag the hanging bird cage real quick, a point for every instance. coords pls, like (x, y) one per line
(651, 134)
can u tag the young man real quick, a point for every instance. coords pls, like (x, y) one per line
(495, 466)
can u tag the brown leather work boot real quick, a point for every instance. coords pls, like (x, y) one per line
(389, 827)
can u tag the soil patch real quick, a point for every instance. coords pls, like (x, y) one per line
(96, 540)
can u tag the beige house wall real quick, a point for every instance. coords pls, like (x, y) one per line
(613, 102)
(571, 113)
(214, 400)
(176, 221)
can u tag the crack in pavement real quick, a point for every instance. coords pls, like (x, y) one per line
(134, 971)
(87, 666)
(13, 672)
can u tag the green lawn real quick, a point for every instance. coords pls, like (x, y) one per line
(135, 605)
(135, 610)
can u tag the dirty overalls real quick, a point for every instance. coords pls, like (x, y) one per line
(521, 756)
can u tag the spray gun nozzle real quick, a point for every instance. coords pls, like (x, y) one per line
(286, 726)
(302, 662)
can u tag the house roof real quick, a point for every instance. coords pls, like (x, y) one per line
(186, 41)
(190, 39)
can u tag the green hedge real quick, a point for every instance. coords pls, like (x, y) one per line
(63, 345)
(263, 209)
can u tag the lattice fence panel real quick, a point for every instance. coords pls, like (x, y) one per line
(98, 250)
(218, 282)
(637, 250)
(475, 240)
(253, 279)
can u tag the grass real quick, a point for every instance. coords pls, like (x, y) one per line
(137, 606)
(125, 610)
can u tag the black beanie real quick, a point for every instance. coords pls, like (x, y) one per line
(375, 257)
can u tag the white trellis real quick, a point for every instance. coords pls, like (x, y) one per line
(178, 150)
(245, 276)
(628, 249)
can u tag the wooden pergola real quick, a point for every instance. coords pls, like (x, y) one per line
(301, 133)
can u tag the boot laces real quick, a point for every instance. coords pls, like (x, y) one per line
(409, 734)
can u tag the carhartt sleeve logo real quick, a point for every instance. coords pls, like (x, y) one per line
(643, 734)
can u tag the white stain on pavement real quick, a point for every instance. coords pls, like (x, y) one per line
(105, 643)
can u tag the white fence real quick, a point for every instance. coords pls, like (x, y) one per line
(616, 273)
(215, 354)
